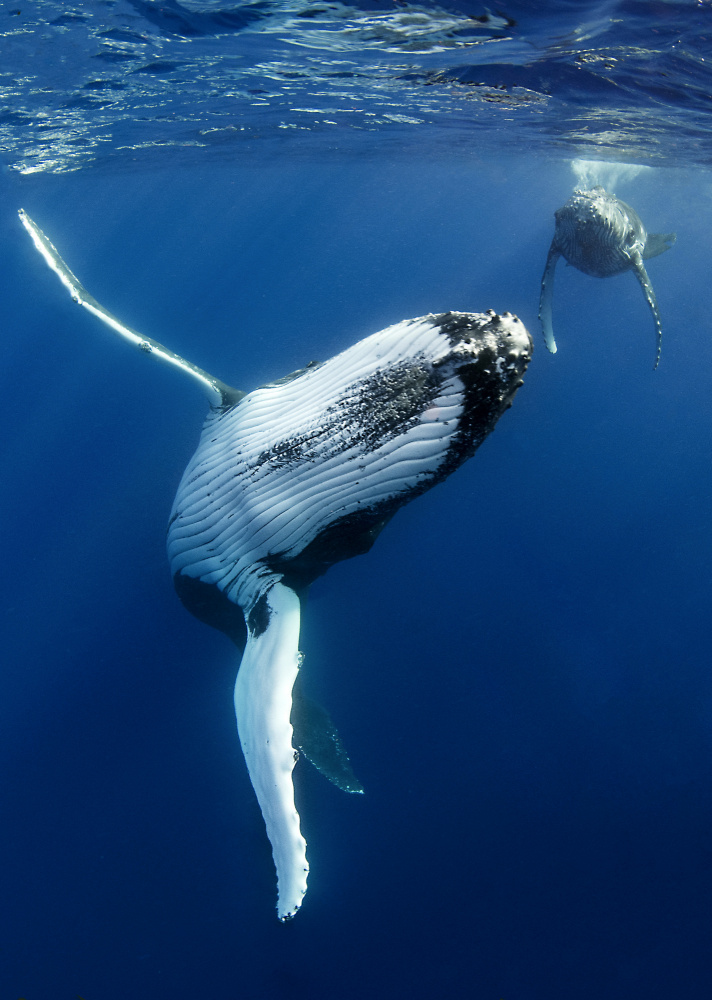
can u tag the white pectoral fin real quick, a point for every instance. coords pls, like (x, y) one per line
(649, 293)
(218, 392)
(263, 704)
(546, 298)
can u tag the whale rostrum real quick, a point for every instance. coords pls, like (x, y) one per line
(297, 475)
(600, 235)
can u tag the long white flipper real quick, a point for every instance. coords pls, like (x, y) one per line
(642, 276)
(263, 704)
(545, 299)
(218, 392)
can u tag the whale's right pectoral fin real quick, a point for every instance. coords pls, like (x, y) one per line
(657, 243)
(263, 705)
(547, 295)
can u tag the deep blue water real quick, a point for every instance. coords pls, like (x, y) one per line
(519, 668)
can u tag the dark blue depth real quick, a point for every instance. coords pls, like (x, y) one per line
(519, 669)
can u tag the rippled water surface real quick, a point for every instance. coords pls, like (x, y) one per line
(133, 78)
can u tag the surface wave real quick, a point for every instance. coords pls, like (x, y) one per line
(136, 78)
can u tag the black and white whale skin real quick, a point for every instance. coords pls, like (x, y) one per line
(600, 235)
(299, 474)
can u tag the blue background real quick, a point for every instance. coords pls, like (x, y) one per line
(519, 668)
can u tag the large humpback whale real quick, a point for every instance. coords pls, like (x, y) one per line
(298, 474)
(600, 235)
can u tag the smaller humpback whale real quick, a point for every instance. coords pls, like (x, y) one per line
(600, 235)
(301, 473)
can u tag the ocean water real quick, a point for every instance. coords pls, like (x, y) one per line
(520, 667)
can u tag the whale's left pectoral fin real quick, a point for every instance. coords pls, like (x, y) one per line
(642, 276)
(219, 393)
(263, 706)
(657, 243)
(546, 298)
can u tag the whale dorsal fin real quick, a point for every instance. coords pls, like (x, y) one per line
(219, 393)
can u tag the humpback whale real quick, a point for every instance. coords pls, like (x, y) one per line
(600, 235)
(297, 475)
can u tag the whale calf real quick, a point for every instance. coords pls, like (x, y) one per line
(297, 475)
(600, 235)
